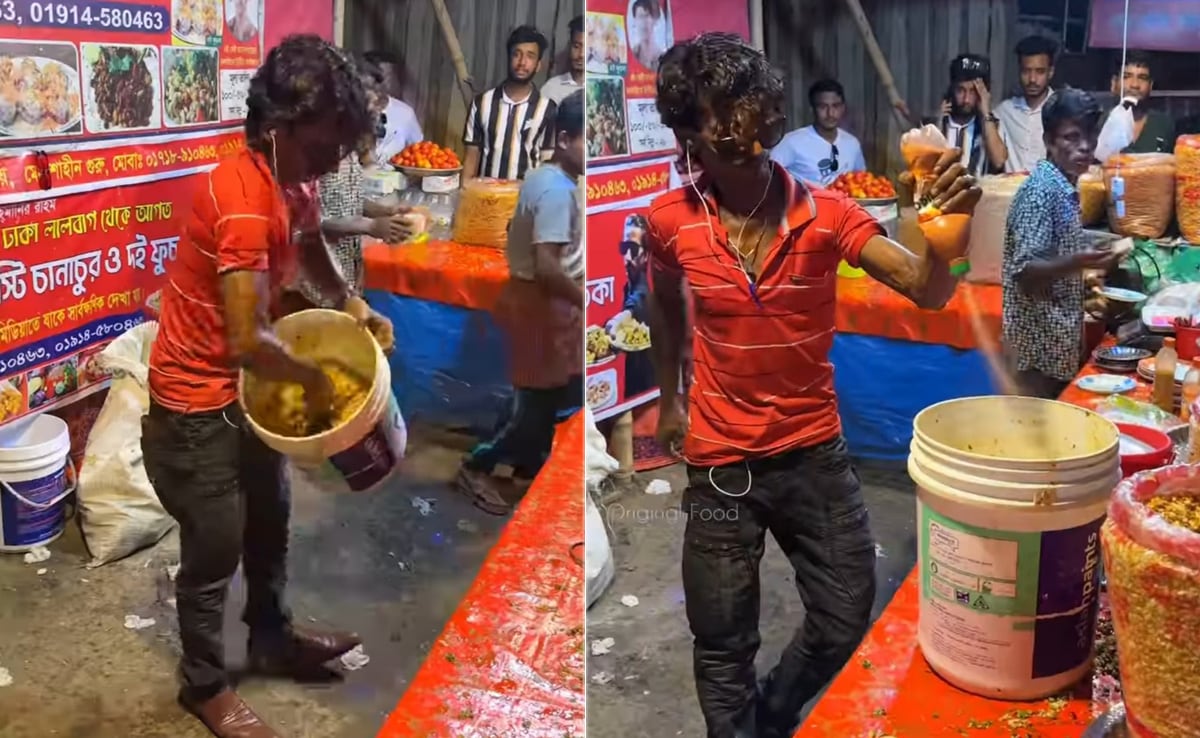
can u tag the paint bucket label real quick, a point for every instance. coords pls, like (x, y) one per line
(26, 526)
(376, 455)
(1009, 605)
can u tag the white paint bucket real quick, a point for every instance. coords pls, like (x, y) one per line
(1011, 493)
(366, 449)
(34, 483)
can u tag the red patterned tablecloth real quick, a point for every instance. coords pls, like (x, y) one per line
(510, 661)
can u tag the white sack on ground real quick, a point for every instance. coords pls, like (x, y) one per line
(598, 558)
(118, 509)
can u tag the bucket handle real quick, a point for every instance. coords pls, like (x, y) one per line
(46, 505)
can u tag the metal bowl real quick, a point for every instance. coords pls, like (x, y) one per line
(1109, 725)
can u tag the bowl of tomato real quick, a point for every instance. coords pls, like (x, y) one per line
(427, 159)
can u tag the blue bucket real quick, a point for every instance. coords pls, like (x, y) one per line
(34, 483)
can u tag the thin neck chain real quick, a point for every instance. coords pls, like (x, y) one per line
(742, 231)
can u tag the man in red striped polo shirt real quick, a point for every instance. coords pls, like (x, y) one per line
(762, 438)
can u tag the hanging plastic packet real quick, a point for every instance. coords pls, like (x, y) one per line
(1118, 131)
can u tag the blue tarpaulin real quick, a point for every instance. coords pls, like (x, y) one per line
(882, 383)
(450, 366)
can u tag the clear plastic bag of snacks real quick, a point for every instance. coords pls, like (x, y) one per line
(1151, 547)
(1149, 193)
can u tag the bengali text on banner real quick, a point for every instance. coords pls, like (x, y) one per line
(75, 273)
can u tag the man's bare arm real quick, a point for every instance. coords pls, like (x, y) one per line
(471, 163)
(548, 272)
(908, 265)
(252, 342)
(668, 324)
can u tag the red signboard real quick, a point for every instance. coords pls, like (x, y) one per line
(630, 162)
(74, 274)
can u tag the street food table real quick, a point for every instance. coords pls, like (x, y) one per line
(510, 660)
(884, 341)
(450, 363)
(887, 688)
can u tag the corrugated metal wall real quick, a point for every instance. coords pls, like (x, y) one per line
(812, 39)
(409, 28)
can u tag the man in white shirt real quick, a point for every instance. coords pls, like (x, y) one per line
(1021, 116)
(399, 121)
(557, 88)
(817, 154)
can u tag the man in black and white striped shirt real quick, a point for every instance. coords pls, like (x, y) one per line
(509, 126)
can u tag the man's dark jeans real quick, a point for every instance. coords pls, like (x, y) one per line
(231, 498)
(810, 501)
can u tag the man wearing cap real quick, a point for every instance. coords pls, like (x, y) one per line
(967, 118)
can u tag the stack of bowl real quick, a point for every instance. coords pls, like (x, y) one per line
(1123, 359)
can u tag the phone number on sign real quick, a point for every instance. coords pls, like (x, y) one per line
(87, 336)
(109, 16)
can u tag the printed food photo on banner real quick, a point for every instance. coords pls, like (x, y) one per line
(607, 53)
(190, 81)
(197, 22)
(122, 88)
(606, 129)
(39, 90)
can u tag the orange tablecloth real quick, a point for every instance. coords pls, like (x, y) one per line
(510, 661)
(889, 687)
(440, 271)
(867, 307)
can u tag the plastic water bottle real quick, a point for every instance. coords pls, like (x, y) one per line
(1191, 390)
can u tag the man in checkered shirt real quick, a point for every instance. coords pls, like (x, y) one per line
(1046, 252)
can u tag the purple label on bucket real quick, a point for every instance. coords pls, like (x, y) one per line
(1068, 582)
(372, 459)
(28, 526)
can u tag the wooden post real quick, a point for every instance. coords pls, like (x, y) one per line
(466, 84)
(620, 446)
(899, 107)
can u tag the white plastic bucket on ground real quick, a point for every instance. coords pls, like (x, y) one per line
(366, 449)
(34, 483)
(1011, 493)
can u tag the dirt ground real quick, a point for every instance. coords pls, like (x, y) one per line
(380, 564)
(644, 685)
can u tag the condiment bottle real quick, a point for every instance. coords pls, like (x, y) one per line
(1191, 390)
(1164, 375)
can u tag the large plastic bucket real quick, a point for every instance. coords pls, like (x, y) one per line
(366, 449)
(1011, 494)
(34, 483)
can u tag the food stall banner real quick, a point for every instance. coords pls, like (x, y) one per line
(79, 68)
(624, 41)
(631, 160)
(110, 112)
(74, 274)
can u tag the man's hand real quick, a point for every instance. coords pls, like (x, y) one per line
(985, 98)
(672, 427)
(1104, 259)
(950, 189)
(379, 326)
(318, 397)
(946, 108)
(391, 229)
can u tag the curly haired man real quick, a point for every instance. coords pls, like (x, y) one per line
(253, 226)
(762, 439)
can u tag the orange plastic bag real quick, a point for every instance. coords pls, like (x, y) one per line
(1187, 187)
(1149, 193)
